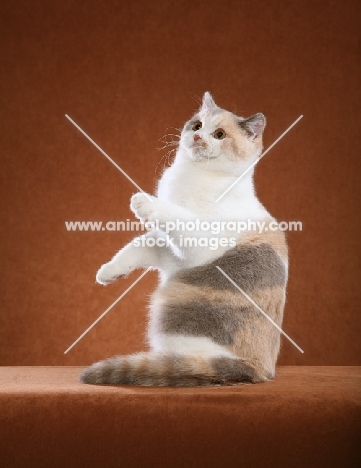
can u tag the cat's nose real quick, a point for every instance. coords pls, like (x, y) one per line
(196, 137)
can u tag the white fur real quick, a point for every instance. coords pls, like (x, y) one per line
(187, 191)
(179, 344)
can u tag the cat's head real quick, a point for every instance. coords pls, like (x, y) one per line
(221, 139)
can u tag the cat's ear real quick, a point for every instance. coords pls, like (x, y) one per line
(254, 125)
(208, 103)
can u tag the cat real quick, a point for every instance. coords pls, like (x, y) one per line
(202, 330)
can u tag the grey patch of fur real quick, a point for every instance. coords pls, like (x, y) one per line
(252, 267)
(254, 125)
(218, 322)
(235, 370)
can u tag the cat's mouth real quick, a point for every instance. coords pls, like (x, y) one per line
(198, 144)
(200, 152)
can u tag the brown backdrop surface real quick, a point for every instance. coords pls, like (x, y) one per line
(125, 71)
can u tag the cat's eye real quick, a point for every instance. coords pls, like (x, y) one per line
(219, 134)
(197, 126)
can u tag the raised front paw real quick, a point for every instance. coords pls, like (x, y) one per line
(108, 273)
(144, 207)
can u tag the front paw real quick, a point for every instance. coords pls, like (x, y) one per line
(108, 273)
(143, 206)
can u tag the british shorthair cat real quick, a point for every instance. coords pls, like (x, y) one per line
(202, 329)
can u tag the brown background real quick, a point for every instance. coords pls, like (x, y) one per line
(125, 71)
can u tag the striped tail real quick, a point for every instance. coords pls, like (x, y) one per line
(174, 370)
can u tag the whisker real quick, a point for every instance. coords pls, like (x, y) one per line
(198, 99)
(175, 128)
(167, 156)
(164, 137)
(167, 144)
(161, 159)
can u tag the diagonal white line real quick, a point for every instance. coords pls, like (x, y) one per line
(108, 157)
(258, 308)
(108, 309)
(258, 160)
